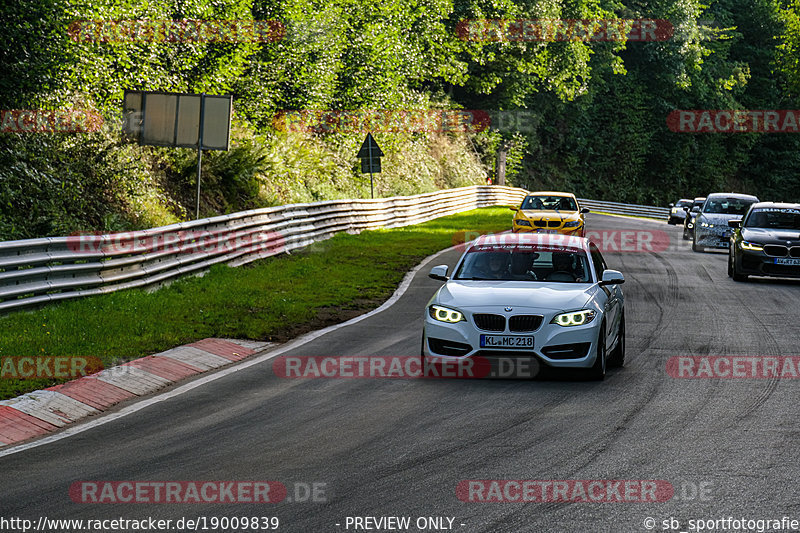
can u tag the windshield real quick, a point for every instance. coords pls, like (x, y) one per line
(684, 203)
(727, 206)
(774, 218)
(525, 263)
(553, 203)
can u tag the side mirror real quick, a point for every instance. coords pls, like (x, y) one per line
(585, 210)
(686, 209)
(670, 205)
(439, 272)
(735, 223)
(696, 209)
(612, 277)
(513, 208)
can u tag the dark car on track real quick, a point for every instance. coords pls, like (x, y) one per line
(765, 242)
(676, 211)
(711, 228)
(691, 213)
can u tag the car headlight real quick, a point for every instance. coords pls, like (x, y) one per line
(522, 223)
(572, 224)
(574, 318)
(445, 314)
(753, 246)
(674, 210)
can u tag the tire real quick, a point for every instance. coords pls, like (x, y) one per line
(617, 357)
(695, 247)
(598, 371)
(734, 272)
(730, 263)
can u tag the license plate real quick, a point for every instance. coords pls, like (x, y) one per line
(540, 230)
(506, 341)
(787, 261)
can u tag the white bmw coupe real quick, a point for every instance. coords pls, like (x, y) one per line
(546, 298)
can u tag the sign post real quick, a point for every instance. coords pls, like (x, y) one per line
(179, 120)
(370, 155)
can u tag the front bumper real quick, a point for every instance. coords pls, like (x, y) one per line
(758, 263)
(553, 345)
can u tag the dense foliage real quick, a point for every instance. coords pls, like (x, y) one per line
(599, 108)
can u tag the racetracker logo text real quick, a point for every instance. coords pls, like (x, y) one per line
(734, 367)
(177, 492)
(43, 366)
(176, 31)
(734, 121)
(569, 490)
(587, 30)
(49, 121)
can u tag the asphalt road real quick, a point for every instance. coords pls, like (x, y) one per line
(400, 447)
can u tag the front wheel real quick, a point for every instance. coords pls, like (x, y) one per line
(733, 271)
(617, 357)
(598, 370)
(695, 246)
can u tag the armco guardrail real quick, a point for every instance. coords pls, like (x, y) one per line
(38, 271)
(626, 209)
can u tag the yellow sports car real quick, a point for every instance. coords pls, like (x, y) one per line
(550, 212)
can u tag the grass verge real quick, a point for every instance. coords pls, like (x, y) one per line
(273, 299)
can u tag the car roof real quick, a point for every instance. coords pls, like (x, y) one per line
(700, 199)
(777, 205)
(685, 200)
(550, 193)
(545, 239)
(738, 196)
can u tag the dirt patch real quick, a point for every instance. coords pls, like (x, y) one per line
(329, 316)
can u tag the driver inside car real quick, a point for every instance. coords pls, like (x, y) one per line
(564, 268)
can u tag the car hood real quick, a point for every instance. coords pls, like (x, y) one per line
(771, 236)
(549, 214)
(532, 294)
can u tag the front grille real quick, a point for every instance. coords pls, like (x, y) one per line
(554, 223)
(540, 223)
(577, 350)
(775, 250)
(525, 322)
(490, 322)
(794, 252)
(452, 348)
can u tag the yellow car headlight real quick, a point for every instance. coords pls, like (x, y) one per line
(445, 314)
(572, 224)
(752, 246)
(574, 318)
(521, 222)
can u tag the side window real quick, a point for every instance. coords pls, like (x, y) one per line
(597, 259)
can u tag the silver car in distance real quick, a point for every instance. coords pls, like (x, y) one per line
(546, 298)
